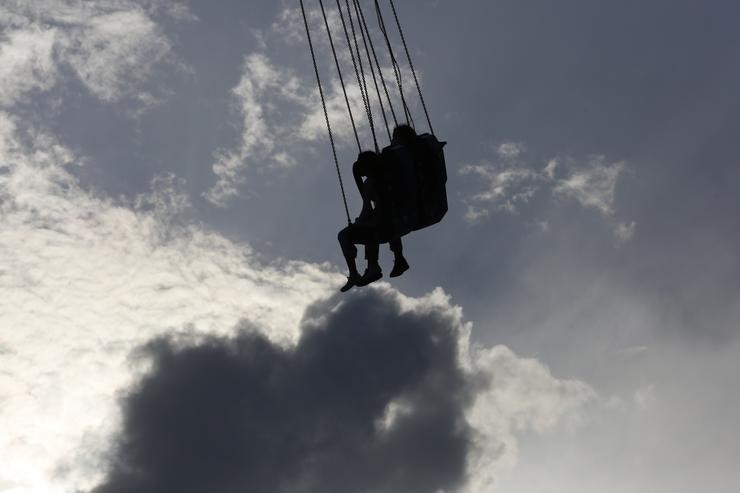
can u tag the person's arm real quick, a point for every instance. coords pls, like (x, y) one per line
(358, 180)
(366, 205)
(370, 206)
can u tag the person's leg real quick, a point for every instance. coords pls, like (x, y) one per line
(400, 265)
(372, 250)
(396, 246)
(372, 253)
(349, 250)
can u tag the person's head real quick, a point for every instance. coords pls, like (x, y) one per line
(404, 134)
(368, 163)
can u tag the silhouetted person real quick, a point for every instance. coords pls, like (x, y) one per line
(404, 135)
(372, 227)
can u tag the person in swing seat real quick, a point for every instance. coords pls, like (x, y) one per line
(372, 227)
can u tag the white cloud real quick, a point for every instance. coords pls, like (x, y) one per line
(508, 187)
(261, 83)
(508, 184)
(592, 186)
(26, 63)
(114, 52)
(523, 396)
(624, 232)
(550, 169)
(474, 214)
(113, 46)
(510, 150)
(511, 183)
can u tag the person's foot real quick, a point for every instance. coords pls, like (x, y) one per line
(371, 275)
(399, 267)
(352, 281)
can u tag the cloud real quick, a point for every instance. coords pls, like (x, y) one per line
(512, 181)
(113, 53)
(26, 63)
(510, 150)
(322, 416)
(261, 84)
(380, 393)
(624, 232)
(592, 186)
(522, 396)
(508, 186)
(112, 46)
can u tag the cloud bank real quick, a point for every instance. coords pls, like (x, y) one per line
(381, 393)
(370, 399)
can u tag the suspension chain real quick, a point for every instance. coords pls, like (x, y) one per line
(411, 64)
(326, 113)
(394, 62)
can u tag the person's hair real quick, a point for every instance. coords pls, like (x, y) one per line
(404, 134)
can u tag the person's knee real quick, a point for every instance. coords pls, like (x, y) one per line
(343, 235)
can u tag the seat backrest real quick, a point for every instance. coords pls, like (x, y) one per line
(431, 180)
(402, 184)
(416, 177)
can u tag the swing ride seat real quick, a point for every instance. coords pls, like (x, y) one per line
(431, 180)
(400, 178)
(416, 178)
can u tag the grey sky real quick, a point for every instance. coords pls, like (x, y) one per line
(592, 166)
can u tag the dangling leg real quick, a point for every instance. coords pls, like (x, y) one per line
(349, 250)
(373, 271)
(400, 265)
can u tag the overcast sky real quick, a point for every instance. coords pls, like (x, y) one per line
(169, 316)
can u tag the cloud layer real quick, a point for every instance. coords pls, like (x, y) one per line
(381, 393)
(370, 399)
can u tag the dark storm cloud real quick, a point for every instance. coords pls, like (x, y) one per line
(242, 414)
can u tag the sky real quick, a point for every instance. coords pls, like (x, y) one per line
(169, 270)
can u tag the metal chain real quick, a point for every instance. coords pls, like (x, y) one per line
(380, 74)
(326, 113)
(365, 101)
(394, 62)
(366, 93)
(341, 77)
(360, 17)
(411, 64)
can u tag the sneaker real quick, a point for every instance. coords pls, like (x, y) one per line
(352, 281)
(371, 275)
(399, 267)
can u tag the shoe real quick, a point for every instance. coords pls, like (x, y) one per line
(371, 275)
(352, 281)
(399, 267)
